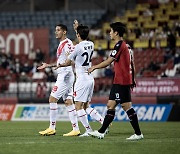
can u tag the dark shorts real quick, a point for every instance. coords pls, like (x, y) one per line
(120, 93)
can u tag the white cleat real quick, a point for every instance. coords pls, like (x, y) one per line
(85, 134)
(96, 134)
(135, 137)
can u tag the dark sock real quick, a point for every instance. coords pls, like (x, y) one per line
(134, 121)
(107, 120)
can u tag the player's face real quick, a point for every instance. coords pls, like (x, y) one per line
(112, 34)
(59, 32)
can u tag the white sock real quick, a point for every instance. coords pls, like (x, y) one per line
(53, 115)
(73, 117)
(84, 120)
(94, 114)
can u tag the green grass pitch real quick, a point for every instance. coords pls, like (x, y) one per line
(23, 138)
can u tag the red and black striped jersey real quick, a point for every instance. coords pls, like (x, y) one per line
(123, 55)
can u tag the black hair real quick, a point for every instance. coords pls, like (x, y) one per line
(83, 31)
(63, 27)
(118, 27)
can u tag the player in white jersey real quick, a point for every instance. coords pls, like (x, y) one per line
(84, 85)
(63, 86)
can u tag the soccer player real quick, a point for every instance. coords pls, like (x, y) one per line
(123, 81)
(63, 86)
(84, 85)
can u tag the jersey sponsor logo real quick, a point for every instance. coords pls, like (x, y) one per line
(113, 52)
(144, 112)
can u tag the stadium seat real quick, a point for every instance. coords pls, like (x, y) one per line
(100, 44)
(141, 43)
(12, 87)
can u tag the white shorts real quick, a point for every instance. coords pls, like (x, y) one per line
(63, 86)
(83, 90)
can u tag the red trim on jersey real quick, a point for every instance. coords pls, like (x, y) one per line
(59, 50)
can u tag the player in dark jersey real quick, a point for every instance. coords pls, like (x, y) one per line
(123, 82)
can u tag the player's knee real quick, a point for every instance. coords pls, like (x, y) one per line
(52, 100)
(111, 105)
(68, 102)
(126, 106)
(78, 105)
(85, 106)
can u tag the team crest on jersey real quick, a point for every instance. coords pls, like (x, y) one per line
(114, 52)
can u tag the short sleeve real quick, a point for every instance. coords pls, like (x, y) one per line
(69, 47)
(73, 54)
(115, 52)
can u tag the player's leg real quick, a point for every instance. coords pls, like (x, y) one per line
(82, 91)
(59, 90)
(127, 107)
(107, 120)
(93, 113)
(53, 115)
(89, 110)
(73, 118)
(83, 118)
(111, 105)
(68, 97)
(133, 120)
(53, 112)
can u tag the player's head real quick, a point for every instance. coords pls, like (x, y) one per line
(61, 31)
(117, 29)
(82, 32)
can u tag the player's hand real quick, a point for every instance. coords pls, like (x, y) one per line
(44, 65)
(133, 84)
(91, 69)
(75, 25)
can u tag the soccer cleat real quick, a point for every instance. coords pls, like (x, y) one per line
(48, 132)
(96, 134)
(86, 134)
(106, 131)
(135, 137)
(73, 133)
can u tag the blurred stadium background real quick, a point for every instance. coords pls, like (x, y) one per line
(27, 39)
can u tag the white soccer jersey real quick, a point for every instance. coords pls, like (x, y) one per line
(65, 79)
(84, 85)
(81, 56)
(64, 49)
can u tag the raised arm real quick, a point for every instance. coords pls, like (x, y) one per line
(75, 25)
